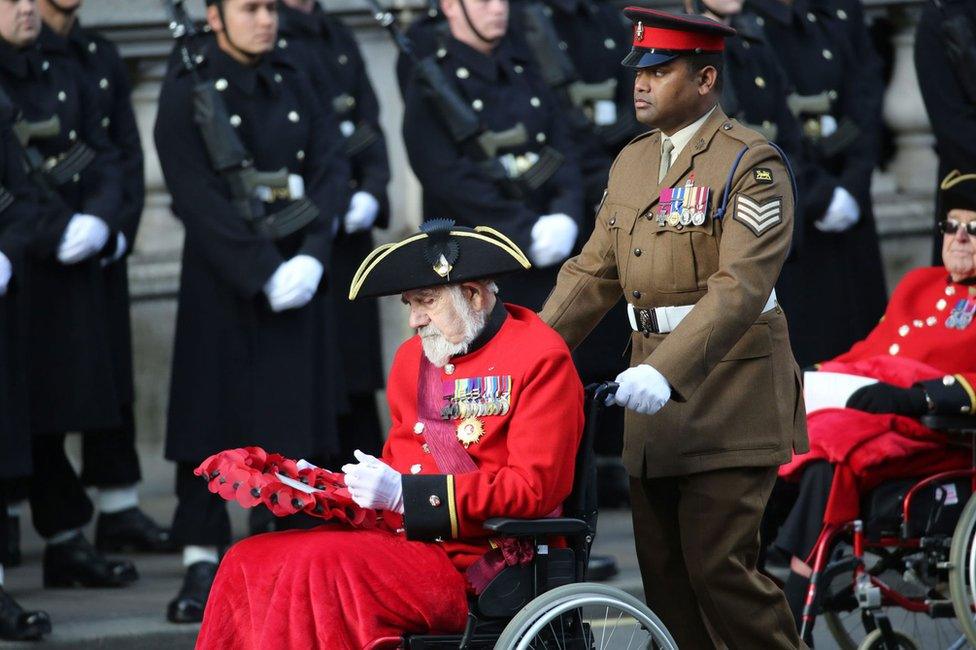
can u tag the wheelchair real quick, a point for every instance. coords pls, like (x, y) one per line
(907, 567)
(547, 603)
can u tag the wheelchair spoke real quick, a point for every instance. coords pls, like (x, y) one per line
(614, 629)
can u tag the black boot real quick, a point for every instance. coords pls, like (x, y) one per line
(77, 563)
(601, 567)
(18, 625)
(10, 553)
(131, 530)
(189, 604)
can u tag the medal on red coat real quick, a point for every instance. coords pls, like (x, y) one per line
(469, 431)
(477, 397)
(962, 314)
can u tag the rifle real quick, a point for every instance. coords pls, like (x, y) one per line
(516, 175)
(250, 189)
(557, 69)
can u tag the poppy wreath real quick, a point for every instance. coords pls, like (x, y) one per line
(249, 476)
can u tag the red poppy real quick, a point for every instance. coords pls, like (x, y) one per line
(207, 468)
(255, 457)
(282, 500)
(248, 493)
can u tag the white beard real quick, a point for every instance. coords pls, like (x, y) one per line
(438, 349)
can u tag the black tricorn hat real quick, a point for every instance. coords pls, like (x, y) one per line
(441, 253)
(957, 191)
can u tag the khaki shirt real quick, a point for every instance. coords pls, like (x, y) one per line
(737, 399)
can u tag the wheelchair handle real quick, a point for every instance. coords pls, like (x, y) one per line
(602, 390)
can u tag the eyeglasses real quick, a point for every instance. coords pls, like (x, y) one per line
(950, 226)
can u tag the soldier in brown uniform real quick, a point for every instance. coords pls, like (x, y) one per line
(694, 228)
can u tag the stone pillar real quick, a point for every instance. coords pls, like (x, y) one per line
(915, 164)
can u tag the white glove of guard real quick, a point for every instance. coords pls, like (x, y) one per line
(842, 213)
(6, 271)
(374, 484)
(553, 236)
(642, 389)
(294, 283)
(363, 209)
(85, 235)
(121, 246)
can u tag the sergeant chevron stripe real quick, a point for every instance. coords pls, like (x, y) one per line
(758, 217)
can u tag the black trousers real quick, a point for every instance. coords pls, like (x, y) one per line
(800, 531)
(57, 496)
(201, 517)
(358, 429)
(109, 457)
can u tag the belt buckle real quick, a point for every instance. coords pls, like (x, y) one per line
(648, 321)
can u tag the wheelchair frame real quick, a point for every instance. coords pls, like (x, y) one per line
(551, 570)
(872, 593)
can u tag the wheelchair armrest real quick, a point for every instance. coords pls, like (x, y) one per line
(533, 527)
(954, 423)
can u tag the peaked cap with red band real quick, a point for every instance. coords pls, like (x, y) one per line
(660, 36)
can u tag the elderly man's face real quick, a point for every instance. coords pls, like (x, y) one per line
(959, 248)
(447, 318)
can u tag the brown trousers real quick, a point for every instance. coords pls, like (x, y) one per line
(697, 541)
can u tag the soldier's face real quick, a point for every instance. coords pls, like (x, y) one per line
(67, 6)
(488, 17)
(959, 248)
(666, 96)
(250, 26)
(20, 22)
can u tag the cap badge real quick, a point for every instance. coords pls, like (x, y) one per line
(442, 267)
(639, 35)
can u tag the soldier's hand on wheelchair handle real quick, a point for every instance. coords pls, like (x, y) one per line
(362, 213)
(553, 236)
(6, 271)
(84, 236)
(642, 389)
(886, 398)
(374, 484)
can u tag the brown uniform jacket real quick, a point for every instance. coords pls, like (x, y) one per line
(737, 399)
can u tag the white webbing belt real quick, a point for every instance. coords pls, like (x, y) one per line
(666, 319)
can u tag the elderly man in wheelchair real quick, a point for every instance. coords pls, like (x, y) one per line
(888, 474)
(487, 416)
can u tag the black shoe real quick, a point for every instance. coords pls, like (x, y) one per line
(189, 604)
(76, 562)
(131, 530)
(601, 567)
(10, 555)
(18, 625)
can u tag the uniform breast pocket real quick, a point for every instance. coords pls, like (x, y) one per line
(620, 224)
(682, 260)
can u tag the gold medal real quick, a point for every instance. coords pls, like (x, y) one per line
(674, 219)
(469, 431)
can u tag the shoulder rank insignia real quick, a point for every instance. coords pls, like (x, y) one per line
(758, 217)
(763, 175)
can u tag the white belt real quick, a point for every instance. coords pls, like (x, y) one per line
(661, 320)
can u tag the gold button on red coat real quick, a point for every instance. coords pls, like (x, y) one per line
(435, 500)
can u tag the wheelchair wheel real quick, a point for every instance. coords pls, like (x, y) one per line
(585, 616)
(875, 641)
(844, 620)
(962, 570)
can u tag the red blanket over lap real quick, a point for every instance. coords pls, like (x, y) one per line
(867, 449)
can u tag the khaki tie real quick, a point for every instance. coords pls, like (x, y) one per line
(666, 148)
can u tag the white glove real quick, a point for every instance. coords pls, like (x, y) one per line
(842, 213)
(6, 270)
(121, 246)
(294, 283)
(642, 389)
(553, 236)
(374, 484)
(85, 235)
(363, 209)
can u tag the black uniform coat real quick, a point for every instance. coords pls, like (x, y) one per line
(72, 378)
(16, 226)
(951, 112)
(504, 92)
(242, 374)
(325, 49)
(816, 44)
(106, 72)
